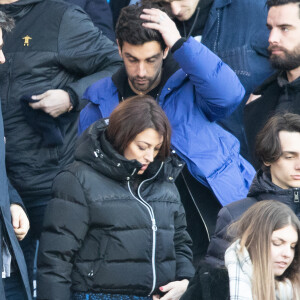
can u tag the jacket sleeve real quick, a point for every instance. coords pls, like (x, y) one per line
(220, 241)
(101, 15)
(85, 51)
(218, 89)
(183, 243)
(65, 226)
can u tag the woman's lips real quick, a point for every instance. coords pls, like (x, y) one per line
(281, 264)
(144, 167)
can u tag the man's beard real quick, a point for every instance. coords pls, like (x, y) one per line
(289, 60)
(149, 82)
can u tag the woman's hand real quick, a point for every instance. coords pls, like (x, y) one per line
(174, 290)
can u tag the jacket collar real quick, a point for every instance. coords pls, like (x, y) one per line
(263, 188)
(95, 150)
(20, 8)
(213, 15)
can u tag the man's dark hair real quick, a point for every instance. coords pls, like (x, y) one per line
(271, 3)
(268, 147)
(129, 27)
(6, 23)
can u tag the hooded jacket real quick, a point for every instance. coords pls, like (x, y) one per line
(262, 188)
(54, 45)
(193, 98)
(123, 241)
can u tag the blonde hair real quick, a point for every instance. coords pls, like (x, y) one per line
(254, 230)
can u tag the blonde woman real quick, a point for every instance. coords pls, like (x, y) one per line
(263, 263)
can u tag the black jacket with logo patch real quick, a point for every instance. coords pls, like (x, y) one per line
(103, 233)
(54, 45)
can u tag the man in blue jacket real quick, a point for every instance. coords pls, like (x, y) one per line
(227, 28)
(14, 223)
(195, 90)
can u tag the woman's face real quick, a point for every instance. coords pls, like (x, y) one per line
(283, 243)
(144, 148)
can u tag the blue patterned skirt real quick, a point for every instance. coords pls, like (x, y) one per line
(101, 296)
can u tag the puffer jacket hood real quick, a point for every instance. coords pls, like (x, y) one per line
(262, 184)
(94, 150)
(263, 188)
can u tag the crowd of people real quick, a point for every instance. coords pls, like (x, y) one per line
(150, 149)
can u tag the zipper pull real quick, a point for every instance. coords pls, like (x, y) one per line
(154, 227)
(296, 196)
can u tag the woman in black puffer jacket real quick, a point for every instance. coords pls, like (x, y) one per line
(116, 227)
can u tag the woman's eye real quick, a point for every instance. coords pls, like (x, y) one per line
(276, 243)
(141, 148)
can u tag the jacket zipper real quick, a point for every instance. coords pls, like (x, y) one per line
(296, 195)
(153, 221)
(9, 80)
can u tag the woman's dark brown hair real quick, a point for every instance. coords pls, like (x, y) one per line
(135, 115)
(268, 146)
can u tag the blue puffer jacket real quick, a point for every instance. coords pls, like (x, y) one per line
(201, 92)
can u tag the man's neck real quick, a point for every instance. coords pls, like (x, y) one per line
(293, 74)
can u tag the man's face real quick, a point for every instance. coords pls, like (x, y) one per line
(284, 39)
(183, 9)
(2, 57)
(285, 172)
(143, 65)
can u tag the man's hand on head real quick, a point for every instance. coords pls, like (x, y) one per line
(159, 20)
(52, 102)
(19, 221)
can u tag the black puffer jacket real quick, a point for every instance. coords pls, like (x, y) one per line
(262, 188)
(99, 236)
(65, 51)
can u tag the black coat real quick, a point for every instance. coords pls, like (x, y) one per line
(209, 283)
(66, 51)
(98, 234)
(8, 196)
(257, 113)
(262, 188)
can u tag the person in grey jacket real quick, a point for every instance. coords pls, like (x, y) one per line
(278, 149)
(53, 54)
